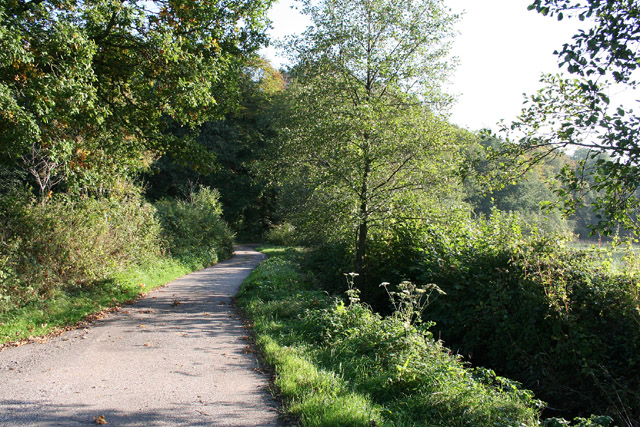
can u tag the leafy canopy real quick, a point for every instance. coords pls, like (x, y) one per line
(570, 113)
(88, 86)
(363, 136)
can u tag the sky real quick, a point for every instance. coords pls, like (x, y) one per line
(502, 49)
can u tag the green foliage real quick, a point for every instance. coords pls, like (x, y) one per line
(410, 301)
(557, 319)
(283, 234)
(194, 229)
(362, 140)
(592, 421)
(343, 364)
(71, 243)
(531, 192)
(71, 257)
(237, 141)
(89, 89)
(577, 112)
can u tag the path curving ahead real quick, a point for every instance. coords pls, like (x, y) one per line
(179, 356)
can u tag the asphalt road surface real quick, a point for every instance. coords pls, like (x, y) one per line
(179, 356)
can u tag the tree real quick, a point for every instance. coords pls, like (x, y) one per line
(238, 142)
(364, 143)
(91, 89)
(578, 113)
(527, 195)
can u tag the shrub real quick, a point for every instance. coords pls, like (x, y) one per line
(343, 364)
(282, 234)
(194, 229)
(71, 242)
(559, 320)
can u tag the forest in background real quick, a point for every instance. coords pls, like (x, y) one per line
(146, 136)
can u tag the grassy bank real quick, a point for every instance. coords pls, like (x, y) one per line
(561, 321)
(72, 258)
(338, 363)
(67, 307)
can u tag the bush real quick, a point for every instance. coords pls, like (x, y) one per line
(558, 320)
(73, 255)
(343, 364)
(282, 234)
(413, 376)
(71, 243)
(194, 229)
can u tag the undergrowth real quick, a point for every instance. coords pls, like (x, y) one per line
(338, 363)
(561, 321)
(70, 257)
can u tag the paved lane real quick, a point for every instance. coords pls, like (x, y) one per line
(177, 357)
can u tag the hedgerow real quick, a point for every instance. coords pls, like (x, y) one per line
(339, 363)
(564, 322)
(73, 255)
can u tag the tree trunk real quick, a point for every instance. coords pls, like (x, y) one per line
(361, 244)
(363, 225)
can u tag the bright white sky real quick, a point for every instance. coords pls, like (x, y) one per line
(502, 48)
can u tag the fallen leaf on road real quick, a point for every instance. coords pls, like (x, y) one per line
(147, 344)
(100, 420)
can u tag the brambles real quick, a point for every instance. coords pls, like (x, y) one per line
(337, 361)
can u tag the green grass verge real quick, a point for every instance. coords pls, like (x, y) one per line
(617, 258)
(340, 364)
(71, 305)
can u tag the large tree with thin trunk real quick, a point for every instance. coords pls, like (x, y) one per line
(363, 137)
